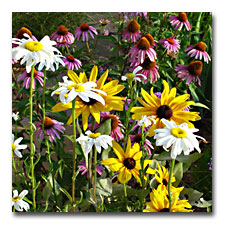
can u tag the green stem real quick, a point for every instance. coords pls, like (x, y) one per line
(89, 52)
(169, 183)
(32, 150)
(43, 104)
(125, 195)
(89, 170)
(74, 153)
(95, 176)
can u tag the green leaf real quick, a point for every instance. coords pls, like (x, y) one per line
(105, 128)
(104, 187)
(191, 195)
(203, 203)
(64, 191)
(198, 104)
(192, 89)
(178, 173)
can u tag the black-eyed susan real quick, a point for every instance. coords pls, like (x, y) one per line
(94, 107)
(127, 163)
(159, 201)
(168, 107)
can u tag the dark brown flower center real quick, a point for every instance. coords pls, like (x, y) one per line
(138, 138)
(84, 27)
(133, 26)
(22, 31)
(182, 17)
(114, 180)
(164, 210)
(143, 44)
(195, 68)
(129, 163)
(147, 64)
(165, 182)
(62, 30)
(35, 73)
(114, 121)
(149, 38)
(91, 102)
(164, 111)
(48, 122)
(170, 40)
(201, 46)
(70, 58)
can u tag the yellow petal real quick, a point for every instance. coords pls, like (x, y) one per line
(116, 167)
(124, 175)
(165, 93)
(118, 151)
(93, 74)
(61, 107)
(85, 115)
(95, 113)
(83, 77)
(110, 161)
(73, 76)
(102, 79)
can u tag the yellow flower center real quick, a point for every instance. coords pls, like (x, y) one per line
(13, 147)
(17, 198)
(94, 135)
(178, 132)
(77, 87)
(130, 76)
(34, 46)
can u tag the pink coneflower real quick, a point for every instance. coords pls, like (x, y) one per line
(104, 22)
(132, 32)
(26, 76)
(51, 127)
(190, 72)
(71, 62)
(62, 36)
(83, 168)
(116, 125)
(149, 69)
(199, 51)
(171, 44)
(105, 32)
(20, 35)
(62, 44)
(138, 138)
(142, 48)
(179, 21)
(83, 30)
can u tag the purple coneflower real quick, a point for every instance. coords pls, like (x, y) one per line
(105, 32)
(179, 21)
(143, 47)
(150, 70)
(116, 125)
(104, 22)
(171, 44)
(83, 30)
(132, 31)
(142, 14)
(51, 127)
(199, 51)
(62, 36)
(191, 72)
(83, 168)
(26, 76)
(72, 63)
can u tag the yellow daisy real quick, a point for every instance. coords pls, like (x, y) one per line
(168, 107)
(127, 163)
(159, 201)
(94, 107)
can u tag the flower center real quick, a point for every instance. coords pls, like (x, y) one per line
(201, 46)
(164, 111)
(170, 40)
(195, 68)
(13, 147)
(164, 210)
(94, 135)
(17, 198)
(130, 76)
(62, 30)
(182, 17)
(178, 132)
(70, 58)
(165, 182)
(114, 121)
(84, 27)
(129, 163)
(91, 102)
(22, 31)
(133, 26)
(48, 123)
(35, 73)
(33, 46)
(77, 87)
(143, 44)
(149, 38)
(148, 65)
(138, 138)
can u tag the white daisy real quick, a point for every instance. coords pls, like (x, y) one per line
(16, 146)
(84, 90)
(180, 137)
(146, 121)
(134, 75)
(95, 139)
(17, 201)
(15, 116)
(33, 52)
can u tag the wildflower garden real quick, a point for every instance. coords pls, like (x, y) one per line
(111, 112)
